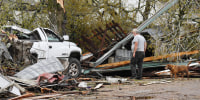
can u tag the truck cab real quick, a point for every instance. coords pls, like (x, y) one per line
(47, 43)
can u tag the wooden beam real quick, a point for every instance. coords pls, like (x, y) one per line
(113, 31)
(117, 25)
(122, 63)
(43, 96)
(23, 96)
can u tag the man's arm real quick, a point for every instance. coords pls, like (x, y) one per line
(145, 46)
(135, 48)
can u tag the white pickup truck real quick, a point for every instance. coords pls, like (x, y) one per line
(46, 43)
(49, 44)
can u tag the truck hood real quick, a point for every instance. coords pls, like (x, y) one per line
(70, 43)
(73, 45)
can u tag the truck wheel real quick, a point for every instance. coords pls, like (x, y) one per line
(74, 68)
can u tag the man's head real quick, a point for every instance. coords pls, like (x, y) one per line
(134, 31)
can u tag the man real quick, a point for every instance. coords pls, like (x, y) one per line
(138, 48)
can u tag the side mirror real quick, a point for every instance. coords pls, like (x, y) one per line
(66, 37)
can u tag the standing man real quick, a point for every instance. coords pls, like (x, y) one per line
(138, 48)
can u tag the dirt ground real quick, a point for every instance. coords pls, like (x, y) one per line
(146, 89)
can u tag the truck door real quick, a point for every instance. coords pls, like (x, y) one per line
(55, 46)
(39, 44)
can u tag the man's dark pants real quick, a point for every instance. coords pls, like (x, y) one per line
(138, 60)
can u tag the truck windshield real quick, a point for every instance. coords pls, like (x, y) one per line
(52, 36)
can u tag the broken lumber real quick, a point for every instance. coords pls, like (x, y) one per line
(86, 79)
(43, 90)
(43, 97)
(122, 63)
(74, 92)
(23, 96)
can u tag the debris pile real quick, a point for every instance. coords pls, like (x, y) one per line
(21, 72)
(104, 40)
(24, 75)
(23, 78)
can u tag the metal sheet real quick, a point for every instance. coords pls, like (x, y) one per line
(24, 82)
(8, 85)
(49, 65)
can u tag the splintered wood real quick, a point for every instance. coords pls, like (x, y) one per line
(119, 64)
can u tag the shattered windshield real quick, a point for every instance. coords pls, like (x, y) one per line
(51, 36)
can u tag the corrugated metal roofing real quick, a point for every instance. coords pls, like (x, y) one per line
(49, 65)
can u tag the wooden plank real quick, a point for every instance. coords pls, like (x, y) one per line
(23, 96)
(117, 25)
(101, 33)
(118, 32)
(118, 37)
(43, 97)
(86, 79)
(89, 42)
(105, 33)
(119, 64)
(96, 35)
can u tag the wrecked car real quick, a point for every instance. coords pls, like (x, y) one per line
(43, 43)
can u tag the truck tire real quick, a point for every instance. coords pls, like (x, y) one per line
(74, 68)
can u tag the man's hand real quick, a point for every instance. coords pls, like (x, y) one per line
(134, 55)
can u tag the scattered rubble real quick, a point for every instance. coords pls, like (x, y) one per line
(163, 73)
(48, 76)
(23, 96)
(6, 85)
(115, 80)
